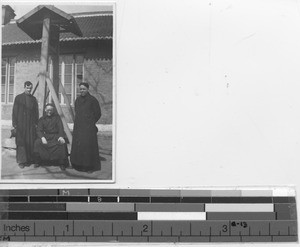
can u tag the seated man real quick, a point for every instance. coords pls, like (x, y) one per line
(50, 147)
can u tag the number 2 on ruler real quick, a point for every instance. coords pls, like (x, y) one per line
(145, 228)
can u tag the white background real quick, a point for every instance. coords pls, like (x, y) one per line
(207, 94)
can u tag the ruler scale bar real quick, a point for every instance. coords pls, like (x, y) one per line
(171, 216)
(198, 228)
(32, 206)
(100, 207)
(239, 207)
(130, 215)
(170, 207)
(284, 192)
(286, 209)
(101, 198)
(134, 199)
(105, 215)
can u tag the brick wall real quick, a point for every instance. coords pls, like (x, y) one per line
(97, 71)
(98, 74)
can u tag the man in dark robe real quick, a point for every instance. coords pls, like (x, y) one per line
(50, 147)
(85, 151)
(25, 116)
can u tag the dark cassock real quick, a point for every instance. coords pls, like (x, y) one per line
(85, 151)
(54, 152)
(25, 116)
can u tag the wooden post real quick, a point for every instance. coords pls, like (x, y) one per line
(36, 86)
(58, 108)
(63, 92)
(54, 43)
(44, 64)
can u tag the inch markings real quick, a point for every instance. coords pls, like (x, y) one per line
(148, 215)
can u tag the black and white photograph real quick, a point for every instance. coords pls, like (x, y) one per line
(57, 93)
(171, 122)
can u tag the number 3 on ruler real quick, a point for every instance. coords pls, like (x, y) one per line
(224, 228)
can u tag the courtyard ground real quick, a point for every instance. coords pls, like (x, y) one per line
(11, 170)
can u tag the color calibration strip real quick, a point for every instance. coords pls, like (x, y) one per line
(140, 215)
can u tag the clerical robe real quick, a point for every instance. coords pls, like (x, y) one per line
(25, 116)
(85, 151)
(53, 152)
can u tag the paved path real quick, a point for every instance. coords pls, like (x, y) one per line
(11, 170)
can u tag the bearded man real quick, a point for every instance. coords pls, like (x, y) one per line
(50, 147)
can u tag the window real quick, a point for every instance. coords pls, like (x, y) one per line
(7, 80)
(70, 75)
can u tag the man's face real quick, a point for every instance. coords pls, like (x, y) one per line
(49, 110)
(83, 90)
(28, 89)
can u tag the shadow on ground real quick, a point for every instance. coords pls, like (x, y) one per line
(11, 170)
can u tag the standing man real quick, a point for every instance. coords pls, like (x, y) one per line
(25, 116)
(85, 151)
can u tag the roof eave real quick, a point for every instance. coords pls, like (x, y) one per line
(62, 40)
(26, 22)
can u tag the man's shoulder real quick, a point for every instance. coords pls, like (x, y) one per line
(93, 98)
(32, 96)
(41, 118)
(55, 115)
(20, 95)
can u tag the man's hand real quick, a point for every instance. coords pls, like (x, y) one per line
(44, 141)
(61, 140)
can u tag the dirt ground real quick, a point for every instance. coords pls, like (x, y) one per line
(11, 170)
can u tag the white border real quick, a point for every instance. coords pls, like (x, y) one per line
(19, 183)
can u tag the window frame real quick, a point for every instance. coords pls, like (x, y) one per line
(8, 75)
(74, 80)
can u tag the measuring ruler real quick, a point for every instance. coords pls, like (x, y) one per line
(98, 215)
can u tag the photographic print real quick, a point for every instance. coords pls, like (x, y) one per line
(57, 98)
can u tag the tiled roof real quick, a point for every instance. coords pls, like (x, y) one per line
(92, 27)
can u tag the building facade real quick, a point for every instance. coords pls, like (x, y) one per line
(88, 58)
